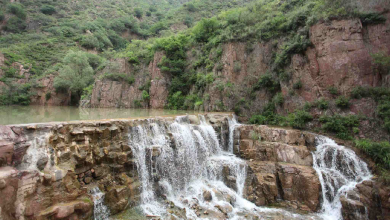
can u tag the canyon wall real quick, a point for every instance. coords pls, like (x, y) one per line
(340, 57)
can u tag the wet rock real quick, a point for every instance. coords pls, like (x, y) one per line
(42, 162)
(117, 198)
(87, 180)
(299, 183)
(225, 208)
(207, 196)
(6, 153)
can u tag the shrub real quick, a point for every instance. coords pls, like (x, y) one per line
(1, 16)
(188, 20)
(383, 61)
(297, 85)
(145, 95)
(191, 7)
(268, 82)
(48, 96)
(15, 25)
(137, 104)
(342, 102)
(383, 110)
(299, 119)
(372, 18)
(258, 119)
(176, 101)
(378, 151)
(89, 41)
(205, 29)
(17, 9)
(278, 99)
(48, 10)
(119, 77)
(341, 126)
(138, 12)
(333, 90)
(322, 104)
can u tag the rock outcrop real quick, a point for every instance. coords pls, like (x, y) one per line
(280, 167)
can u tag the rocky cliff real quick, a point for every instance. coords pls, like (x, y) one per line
(340, 57)
(47, 171)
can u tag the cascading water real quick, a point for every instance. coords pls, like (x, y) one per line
(339, 170)
(179, 162)
(101, 211)
(182, 162)
(190, 161)
(232, 126)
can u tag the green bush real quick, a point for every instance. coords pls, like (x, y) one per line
(89, 41)
(299, 119)
(378, 151)
(372, 18)
(268, 82)
(15, 25)
(205, 29)
(341, 126)
(48, 96)
(48, 10)
(17, 9)
(333, 90)
(176, 101)
(297, 85)
(188, 20)
(191, 7)
(145, 95)
(322, 104)
(119, 77)
(138, 12)
(278, 99)
(383, 61)
(383, 110)
(377, 93)
(342, 102)
(2, 16)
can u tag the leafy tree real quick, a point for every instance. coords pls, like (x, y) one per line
(75, 75)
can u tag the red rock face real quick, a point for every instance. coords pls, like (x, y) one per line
(118, 94)
(159, 84)
(46, 87)
(6, 153)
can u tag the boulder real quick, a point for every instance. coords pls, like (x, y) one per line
(117, 198)
(6, 153)
(207, 196)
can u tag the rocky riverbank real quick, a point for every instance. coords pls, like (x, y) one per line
(47, 171)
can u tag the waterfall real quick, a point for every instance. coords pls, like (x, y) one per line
(232, 126)
(101, 211)
(186, 160)
(38, 152)
(339, 170)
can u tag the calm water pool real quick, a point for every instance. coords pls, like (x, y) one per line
(38, 114)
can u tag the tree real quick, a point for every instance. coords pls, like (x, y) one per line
(75, 75)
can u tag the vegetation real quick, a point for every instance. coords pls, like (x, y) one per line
(341, 126)
(378, 151)
(76, 74)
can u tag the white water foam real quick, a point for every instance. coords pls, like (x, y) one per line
(100, 211)
(339, 170)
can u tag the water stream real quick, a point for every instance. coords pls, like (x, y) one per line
(339, 170)
(100, 211)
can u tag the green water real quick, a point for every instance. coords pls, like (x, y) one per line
(38, 114)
